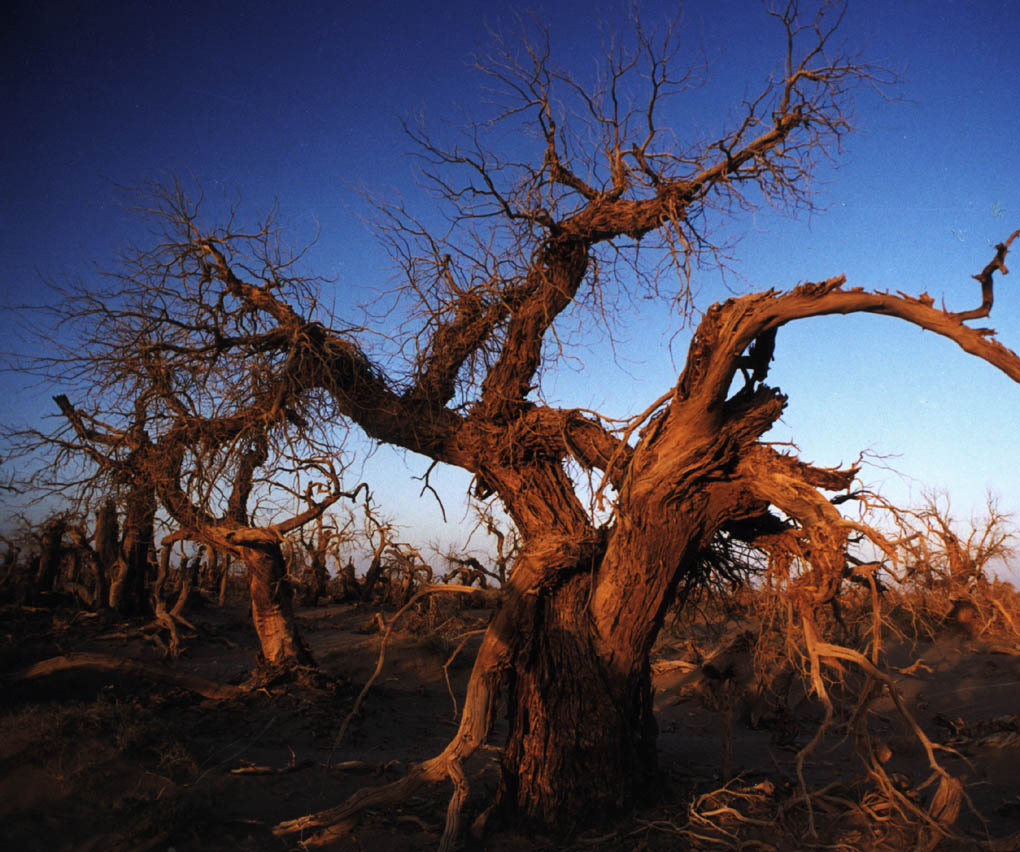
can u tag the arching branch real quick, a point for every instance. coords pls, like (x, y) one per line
(984, 278)
(728, 329)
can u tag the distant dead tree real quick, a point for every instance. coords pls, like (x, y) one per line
(381, 535)
(470, 570)
(171, 423)
(607, 191)
(945, 573)
(51, 551)
(8, 565)
(318, 545)
(122, 459)
(98, 466)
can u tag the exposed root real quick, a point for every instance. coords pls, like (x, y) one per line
(460, 793)
(472, 733)
(386, 794)
(449, 661)
(740, 816)
(724, 818)
(933, 822)
(428, 590)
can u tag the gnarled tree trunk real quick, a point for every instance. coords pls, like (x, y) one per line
(50, 552)
(127, 586)
(272, 598)
(581, 744)
(105, 549)
(582, 733)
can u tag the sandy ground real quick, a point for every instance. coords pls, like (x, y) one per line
(90, 761)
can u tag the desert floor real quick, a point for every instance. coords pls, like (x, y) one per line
(94, 760)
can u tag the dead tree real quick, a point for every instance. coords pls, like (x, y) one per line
(190, 416)
(531, 242)
(196, 463)
(258, 546)
(380, 534)
(318, 547)
(8, 566)
(51, 551)
(123, 460)
(586, 598)
(471, 570)
(105, 545)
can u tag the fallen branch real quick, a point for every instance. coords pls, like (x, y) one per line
(254, 769)
(123, 665)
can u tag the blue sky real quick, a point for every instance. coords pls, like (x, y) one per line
(302, 103)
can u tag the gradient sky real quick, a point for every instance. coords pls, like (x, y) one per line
(302, 103)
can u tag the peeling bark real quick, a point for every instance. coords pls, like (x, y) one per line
(272, 607)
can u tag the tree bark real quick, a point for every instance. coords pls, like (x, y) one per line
(582, 733)
(50, 551)
(224, 578)
(127, 588)
(373, 574)
(272, 598)
(189, 576)
(581, 747)
(105, 547)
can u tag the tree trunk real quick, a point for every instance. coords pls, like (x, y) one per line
(373, 574)
(272, 606)
(224, 578)
(9, 566)
(348, 583)
(105, 548)
(188, 572)
(162, 616)
(127, 588)
(581, 742)
(83, 579)
(318, 577)
(581, 747)
(209, 571)
(50, 551)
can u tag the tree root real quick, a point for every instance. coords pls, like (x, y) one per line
(449, 661)
(472, 733)
(337, 820)
(111, 663)
(934, 822)
(386, 794)
(428, 590)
